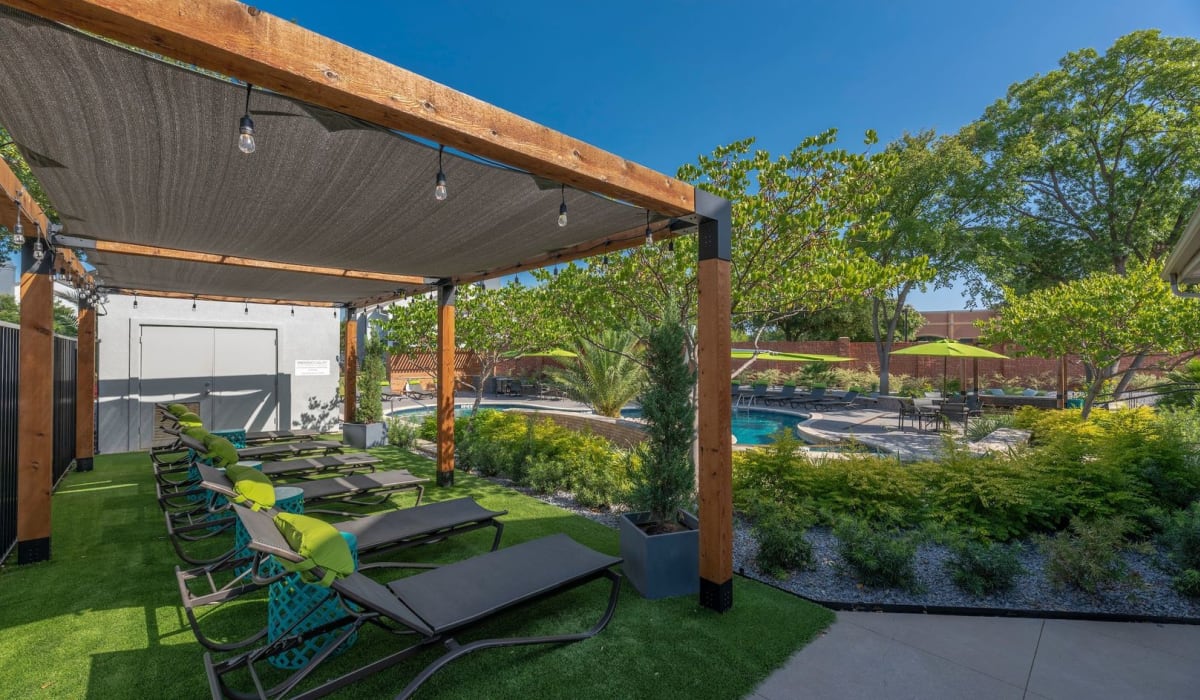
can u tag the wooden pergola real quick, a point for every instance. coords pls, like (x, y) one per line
(237, 40)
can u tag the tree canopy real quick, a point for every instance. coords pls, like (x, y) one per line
(1104, 318)
(1091, 165)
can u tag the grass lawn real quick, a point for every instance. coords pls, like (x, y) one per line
(103, 620)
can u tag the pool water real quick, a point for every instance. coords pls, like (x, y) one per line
(750, 426)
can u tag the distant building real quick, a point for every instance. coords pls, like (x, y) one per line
(8, 279)
(955, 325)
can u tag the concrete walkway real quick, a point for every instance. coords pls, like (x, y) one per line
(882, 656)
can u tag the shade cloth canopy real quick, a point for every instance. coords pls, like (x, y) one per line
(786, 356)
(133, 149)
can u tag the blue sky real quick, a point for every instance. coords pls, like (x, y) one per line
(662, 82)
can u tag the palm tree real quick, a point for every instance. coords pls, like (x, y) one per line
(605, 374)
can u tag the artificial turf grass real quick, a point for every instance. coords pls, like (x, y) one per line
(102, 619)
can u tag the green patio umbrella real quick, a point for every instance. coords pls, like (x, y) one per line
(787, 356)
(556, 353)
(945, 349)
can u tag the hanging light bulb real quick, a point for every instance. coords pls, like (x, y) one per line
(135, 301)
(38, 251)
(439, 190)
(671, 246)
(649, 233)
(293, 311)
(562, 208)
(246, 130)
(245, 307)
(193, 303)
(604, 260)
(18, 230)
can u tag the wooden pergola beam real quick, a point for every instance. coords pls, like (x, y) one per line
(149, 251)
(246, 43)
(217, 297)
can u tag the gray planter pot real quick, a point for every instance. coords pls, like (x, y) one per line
(364, 435)
(661, 566)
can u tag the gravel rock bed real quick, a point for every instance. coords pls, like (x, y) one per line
(1150, 594)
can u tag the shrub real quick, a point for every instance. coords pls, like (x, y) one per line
(588, 467)
(401, 433)
(666, 477)
(1187, 583)
(1087, 556)
(982, 426)
(878, 559)
(984, 568)
(1181, 537)
(428, 428)
(781, 545)
(370, 384)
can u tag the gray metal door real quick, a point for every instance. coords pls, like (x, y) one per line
(177, 366)
(245, 371)
(229, 375)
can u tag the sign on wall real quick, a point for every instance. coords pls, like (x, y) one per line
(312, 368)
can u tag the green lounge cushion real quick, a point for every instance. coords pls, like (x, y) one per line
(252, 486)
(190, 420)
(220, 452)
(177, 409)
(320, 544)
(197, 433)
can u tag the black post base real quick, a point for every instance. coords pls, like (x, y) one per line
(445, 478)
(716, 596)
(33, 551)
(83, 464)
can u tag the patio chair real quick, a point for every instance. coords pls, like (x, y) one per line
(415, 391)
(430, 608)
(846, 401)
(374, 535)
(199, 442)
(204, 519)
(758, 392)
(175, 494)
(785, 395)
(811, 397)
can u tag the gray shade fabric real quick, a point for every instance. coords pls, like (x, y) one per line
(133, 149)
(160, 274)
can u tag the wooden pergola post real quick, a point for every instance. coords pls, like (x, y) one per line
(445, 385)
(1062, 382)
(715, 488)
(350, 368)
(35, 422)
(85, 389)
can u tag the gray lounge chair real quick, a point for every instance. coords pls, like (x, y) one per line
(785, 395)
(277, 449)
(203, 520)
(846, 401)
(375, 534)
(430, 608)
(280, 435)
(812, 397)
(415, 391)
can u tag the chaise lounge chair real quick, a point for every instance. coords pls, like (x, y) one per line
(416, 392)
(846, 401)
(375, 534)
(430, 608)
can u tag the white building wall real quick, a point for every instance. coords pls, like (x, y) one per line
(307, 334)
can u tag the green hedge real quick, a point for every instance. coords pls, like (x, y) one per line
(1135, 464)
(539, 453)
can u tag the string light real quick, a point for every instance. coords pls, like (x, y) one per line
(38, 251)
(246, 130)
(649, 233)
(562, 208)
(193, 303)
(18, 231)
(293, 311)
(439, 190)
(671, 246)
(245, 307)
(135, 301)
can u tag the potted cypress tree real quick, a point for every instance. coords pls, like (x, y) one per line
(368, 430)
(660, 542)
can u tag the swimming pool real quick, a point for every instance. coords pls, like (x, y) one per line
(751, 426)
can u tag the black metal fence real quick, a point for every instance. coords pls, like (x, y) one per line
(64, 422)
(9, 363)
(64, 405)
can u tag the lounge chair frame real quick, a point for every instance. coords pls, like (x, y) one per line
(381, 606)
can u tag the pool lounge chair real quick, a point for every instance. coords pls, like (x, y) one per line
(202, 520)
(785, 395)
(277, 449)
(846, 401)
(817, 394)
(430, 608)
(416, 392)
(375, 534)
